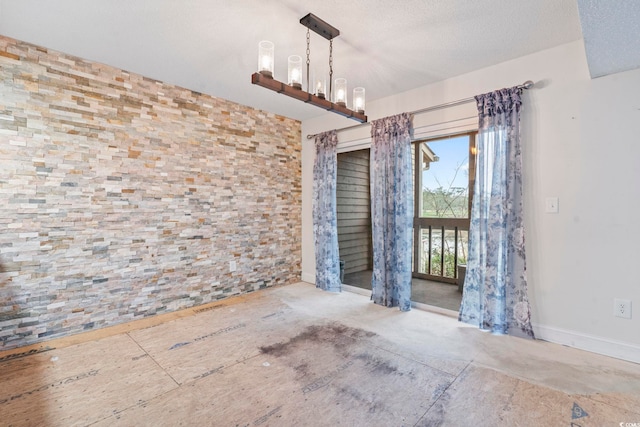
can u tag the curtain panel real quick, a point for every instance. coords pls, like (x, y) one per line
(495, 286)
(325, 228)
(391, 210)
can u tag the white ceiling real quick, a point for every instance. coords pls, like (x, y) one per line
(387, 46)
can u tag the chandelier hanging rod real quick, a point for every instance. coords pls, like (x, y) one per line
(526, 85)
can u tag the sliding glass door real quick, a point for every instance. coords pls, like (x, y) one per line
(443, 192)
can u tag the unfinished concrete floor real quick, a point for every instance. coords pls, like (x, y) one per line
(297, 356)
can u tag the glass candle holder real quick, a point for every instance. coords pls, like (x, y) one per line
(358, 99)
(265, 58)
(340, 96)
(295, 71)
(319, 84)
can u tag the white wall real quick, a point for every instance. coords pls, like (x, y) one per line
(581, 143)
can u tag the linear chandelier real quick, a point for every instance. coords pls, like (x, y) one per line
(334, 101)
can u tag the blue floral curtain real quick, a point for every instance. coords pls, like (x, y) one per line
(391, 211)
(325, 228)
(495, 286)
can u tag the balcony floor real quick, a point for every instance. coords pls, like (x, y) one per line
(443, 295)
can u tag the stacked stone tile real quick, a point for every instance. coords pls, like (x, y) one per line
(123, 197)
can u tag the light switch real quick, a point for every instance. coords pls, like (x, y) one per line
(551, 205)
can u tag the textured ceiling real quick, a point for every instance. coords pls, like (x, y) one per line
(611, 32)
(387, 46)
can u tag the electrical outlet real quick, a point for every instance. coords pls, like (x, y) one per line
(622, 308)
(232, 266)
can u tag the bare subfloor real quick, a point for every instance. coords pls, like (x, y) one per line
(298, 356)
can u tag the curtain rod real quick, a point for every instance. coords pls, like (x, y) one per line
(526, 85)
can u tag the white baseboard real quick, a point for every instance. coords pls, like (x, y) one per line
(594, 344)
(308, 277)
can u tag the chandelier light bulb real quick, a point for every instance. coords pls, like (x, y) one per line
(320, 84)
(341, 92)
(266, 63)
(358, 99)
(295, 71)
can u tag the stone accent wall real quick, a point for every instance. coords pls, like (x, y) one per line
(123, 197)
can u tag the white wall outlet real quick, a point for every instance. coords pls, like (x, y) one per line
(232, 266)
(551, 205)
(622, 308)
